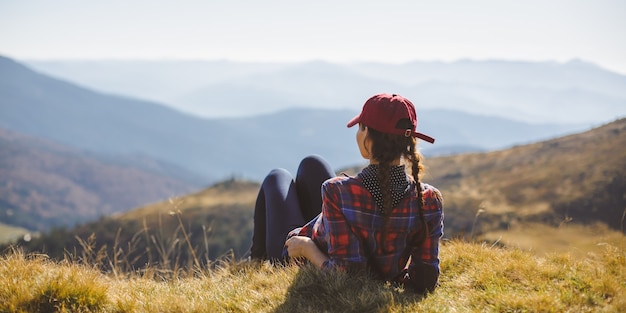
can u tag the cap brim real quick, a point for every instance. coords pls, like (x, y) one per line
(424, 137)
(355, 120)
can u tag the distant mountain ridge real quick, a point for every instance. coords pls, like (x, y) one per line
(248, 147)
(574, 74)
(532, 92)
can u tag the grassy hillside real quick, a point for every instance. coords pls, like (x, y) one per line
(536, 257)
(579, 178)
(475, 278)
(202, 226)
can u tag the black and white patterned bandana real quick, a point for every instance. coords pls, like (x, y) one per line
(399, 184)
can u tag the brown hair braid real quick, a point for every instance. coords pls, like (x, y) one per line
(385, 149)
(417, 169)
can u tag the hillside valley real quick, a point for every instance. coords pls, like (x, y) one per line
(44, 184)
(576, 179)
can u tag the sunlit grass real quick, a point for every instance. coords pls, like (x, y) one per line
(34, 284)
(574, 239)
(475, 278)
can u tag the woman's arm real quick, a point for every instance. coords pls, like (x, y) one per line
(301, 246)
(331, 233)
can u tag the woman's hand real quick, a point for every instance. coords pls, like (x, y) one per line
(297, 246)
(302, 246)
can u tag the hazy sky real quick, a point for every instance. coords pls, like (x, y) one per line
(336, 31)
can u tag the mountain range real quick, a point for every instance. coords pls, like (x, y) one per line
(575, 92)
(216, 148)
(71, 153)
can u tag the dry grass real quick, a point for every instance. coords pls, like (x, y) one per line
(574, 239)
(475, 278)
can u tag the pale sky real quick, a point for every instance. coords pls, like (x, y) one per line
(336, 31)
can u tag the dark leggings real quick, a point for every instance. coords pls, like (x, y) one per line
(284, 204)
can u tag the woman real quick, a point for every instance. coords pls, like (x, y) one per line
(382, 220)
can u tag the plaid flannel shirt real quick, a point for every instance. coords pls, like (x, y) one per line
(349, 229)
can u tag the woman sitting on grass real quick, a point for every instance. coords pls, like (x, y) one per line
(382, 220)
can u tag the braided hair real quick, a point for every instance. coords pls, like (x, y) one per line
(387, 148)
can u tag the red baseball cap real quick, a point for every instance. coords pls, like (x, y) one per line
(392, 114)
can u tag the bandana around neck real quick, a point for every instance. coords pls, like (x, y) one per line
(399, 184)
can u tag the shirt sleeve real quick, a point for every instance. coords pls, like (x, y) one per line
(343, 247)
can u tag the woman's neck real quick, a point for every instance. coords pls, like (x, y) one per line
(394, 162)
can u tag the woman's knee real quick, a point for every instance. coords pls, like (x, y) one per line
(279, 191)
(314, 163)
(277, 177)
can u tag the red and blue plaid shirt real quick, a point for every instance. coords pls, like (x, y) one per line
(350, 226)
